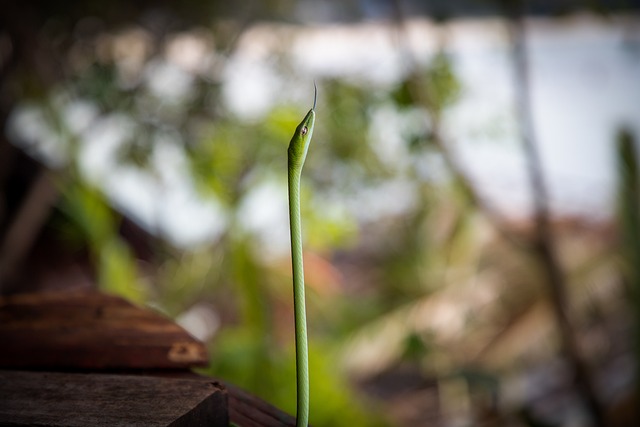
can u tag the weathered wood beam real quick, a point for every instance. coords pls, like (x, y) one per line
(91, 330)
(68, 400)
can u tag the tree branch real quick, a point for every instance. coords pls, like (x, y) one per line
(543, 239)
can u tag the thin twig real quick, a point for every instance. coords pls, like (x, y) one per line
(27, 224)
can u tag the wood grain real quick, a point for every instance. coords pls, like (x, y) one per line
(91, 330)
(248, 411)
(68, 400)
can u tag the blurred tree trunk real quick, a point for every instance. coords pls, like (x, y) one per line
(543, 244)
(629, 220)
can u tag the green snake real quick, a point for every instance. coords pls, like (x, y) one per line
(297, 152)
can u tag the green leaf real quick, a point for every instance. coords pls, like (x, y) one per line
(117, 271)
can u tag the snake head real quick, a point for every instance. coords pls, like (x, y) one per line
(301, 139)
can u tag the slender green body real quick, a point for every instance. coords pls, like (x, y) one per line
(297, 152)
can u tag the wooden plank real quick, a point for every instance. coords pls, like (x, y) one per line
(91, 330)
(248, 411)
(245, 410)
(67, 400)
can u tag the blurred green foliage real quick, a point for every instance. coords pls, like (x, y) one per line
(88, 220)
(228, 157)
(410, 268)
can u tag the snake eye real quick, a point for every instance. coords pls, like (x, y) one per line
(304, 130)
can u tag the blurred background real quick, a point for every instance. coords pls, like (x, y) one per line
(470, 200)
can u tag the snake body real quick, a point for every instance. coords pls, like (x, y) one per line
(297, 154)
